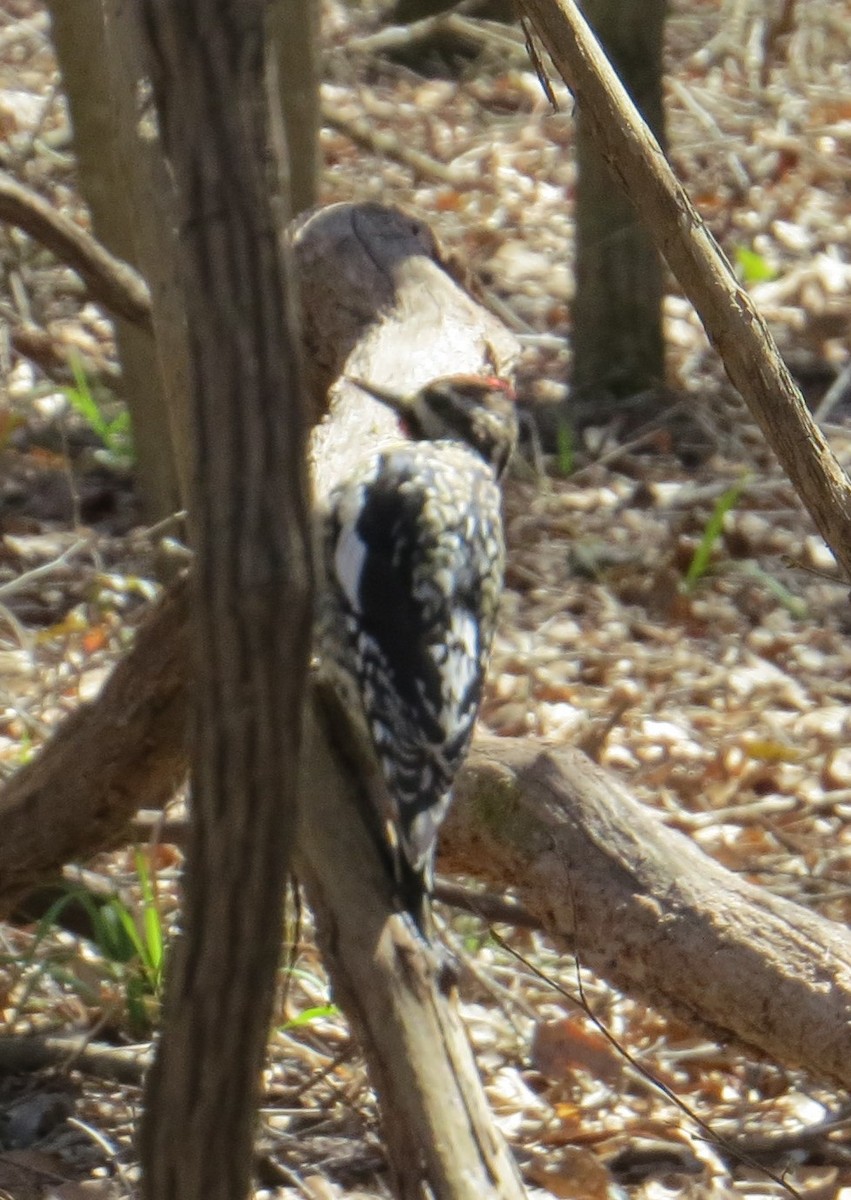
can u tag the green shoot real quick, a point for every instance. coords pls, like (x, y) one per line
(114, 432)
(702, 556)
(314, 1012)
(129, 959)
(144, 935)
(565, 449)
(119, 929)
(752, 267)
(308, 1015)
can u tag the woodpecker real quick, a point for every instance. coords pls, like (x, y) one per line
(414, 554)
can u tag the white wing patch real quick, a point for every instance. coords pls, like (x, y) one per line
(349, 556)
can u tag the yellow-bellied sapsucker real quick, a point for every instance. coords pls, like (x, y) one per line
(414, 554)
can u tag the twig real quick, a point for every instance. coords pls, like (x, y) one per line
(124, 1064)
(30, 577)
(150, 825)
(362, 133)
(838, 391)
(108, 1148)
(36, 344)
(113, 283)
(403, 37)
(783, 1141)
(486, 905)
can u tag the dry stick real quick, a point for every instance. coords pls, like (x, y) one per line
(403, 37)
(363, 133)
(121, 1064)
(112, 282)
(729, 316)
(52, 355)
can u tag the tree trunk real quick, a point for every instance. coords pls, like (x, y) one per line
(618, 351)
(79, 35)
(294, 32)
(250, 534)
(150, 194)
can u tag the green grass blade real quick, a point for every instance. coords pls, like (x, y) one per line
(565, 449)
(702, 556)
(152, 924)
(83, 402)
(309, 1015)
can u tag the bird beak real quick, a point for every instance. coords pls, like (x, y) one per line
(395, 400)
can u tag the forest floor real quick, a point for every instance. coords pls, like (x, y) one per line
(718, 693)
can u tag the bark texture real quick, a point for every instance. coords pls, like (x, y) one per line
(294, 31)
(250, 534)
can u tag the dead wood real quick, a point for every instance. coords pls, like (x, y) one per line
(379, 304)
(78, 794)
(54, 356)
(729, 316)
(36, 1052)
(435, 1117)
(642, 906)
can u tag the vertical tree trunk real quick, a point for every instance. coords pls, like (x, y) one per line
(251, 597)
(79, 36)
(618, 349)
(150, 195)
(294, 31)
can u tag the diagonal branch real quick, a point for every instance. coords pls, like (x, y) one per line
(113, 283)
(729, 316)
